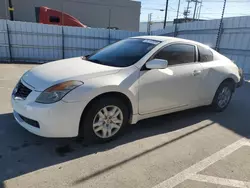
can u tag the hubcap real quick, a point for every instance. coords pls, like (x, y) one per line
(107, 121)
(224, 97)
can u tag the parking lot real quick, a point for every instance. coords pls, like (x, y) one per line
(194, 148)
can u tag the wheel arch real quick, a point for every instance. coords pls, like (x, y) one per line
(117, 94)
(228, 79)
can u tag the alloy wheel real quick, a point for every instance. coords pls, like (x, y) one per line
(224, 97)
(108, 121)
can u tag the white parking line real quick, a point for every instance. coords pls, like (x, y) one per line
(193, 170)
(247, 144)
(220, 181)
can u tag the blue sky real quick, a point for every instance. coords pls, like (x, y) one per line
(211, 9)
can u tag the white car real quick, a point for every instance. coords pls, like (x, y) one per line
(133, 79)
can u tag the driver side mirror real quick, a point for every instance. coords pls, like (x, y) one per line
(157, 64)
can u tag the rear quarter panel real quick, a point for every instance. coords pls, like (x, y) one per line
(214, 73)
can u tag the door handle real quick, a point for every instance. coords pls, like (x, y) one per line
(196, 72)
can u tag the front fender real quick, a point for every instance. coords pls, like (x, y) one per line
(101, 85)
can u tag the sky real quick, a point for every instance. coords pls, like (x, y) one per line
(211, 9)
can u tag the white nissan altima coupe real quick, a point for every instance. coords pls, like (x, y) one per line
(133, 79)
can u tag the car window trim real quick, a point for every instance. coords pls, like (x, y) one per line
(196, 54)
(172, 43)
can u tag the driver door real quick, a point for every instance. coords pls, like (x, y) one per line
(175, 86)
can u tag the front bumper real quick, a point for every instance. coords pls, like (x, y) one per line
(240, 83)
(60, 119)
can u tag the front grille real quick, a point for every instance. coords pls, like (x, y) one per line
(30, 121)
(22, 91)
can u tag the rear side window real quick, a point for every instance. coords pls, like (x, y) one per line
(54, 19)
(177, 54)
(205, 54)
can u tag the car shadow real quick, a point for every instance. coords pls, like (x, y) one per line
(22, 152)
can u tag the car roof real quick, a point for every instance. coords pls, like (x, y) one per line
(170, 39)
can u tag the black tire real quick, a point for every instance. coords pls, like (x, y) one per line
(215, 104)
(86, 127)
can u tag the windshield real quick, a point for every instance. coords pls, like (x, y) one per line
(123, 53)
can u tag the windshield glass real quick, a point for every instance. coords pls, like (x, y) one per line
(123, 53)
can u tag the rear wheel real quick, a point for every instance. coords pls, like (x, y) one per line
(104, 120)
(223, 96)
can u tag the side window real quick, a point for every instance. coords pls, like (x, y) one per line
(54, 19)
(205, 54)
(177, 54)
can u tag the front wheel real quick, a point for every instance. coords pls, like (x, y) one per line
(104, 120)
(223, 96)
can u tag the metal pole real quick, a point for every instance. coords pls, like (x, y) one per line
(63, 53)
(188, 8)
(11, 9)
(197, 12)
(149, 23)
(9, 43)
(62, 13)
(196, 2)
(166, 13)
(63, 48)
(177, 16)
(109, 25)
(220, 27)
(200, 11)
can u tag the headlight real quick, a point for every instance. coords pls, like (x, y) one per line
(57, 92)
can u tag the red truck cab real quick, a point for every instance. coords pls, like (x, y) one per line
(47, 15)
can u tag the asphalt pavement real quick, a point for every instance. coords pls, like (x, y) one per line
(194, 148)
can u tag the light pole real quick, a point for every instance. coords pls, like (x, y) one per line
(166, 13)
(220, 26)
(150, 18)
(195, 8)
(196, 2)
(149, 22)
(199, 12)
(11, 10)
(177, 16)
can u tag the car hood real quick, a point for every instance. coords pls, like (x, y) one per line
(49, 74)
